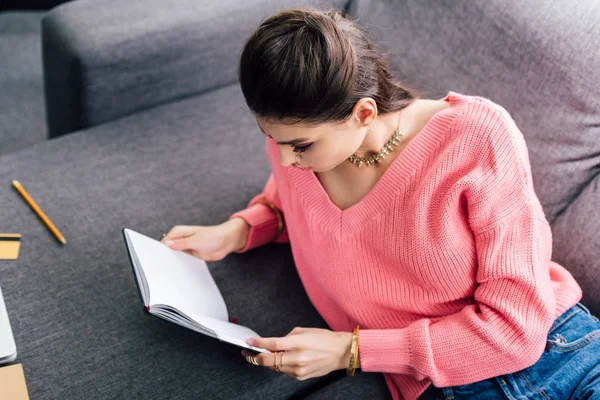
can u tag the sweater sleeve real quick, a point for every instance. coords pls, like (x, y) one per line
(262, 219)
(505, 329)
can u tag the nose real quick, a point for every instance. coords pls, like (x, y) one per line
(286, 156)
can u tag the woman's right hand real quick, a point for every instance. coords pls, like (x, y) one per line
(209, 243)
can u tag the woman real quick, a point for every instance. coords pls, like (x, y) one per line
(413, 224)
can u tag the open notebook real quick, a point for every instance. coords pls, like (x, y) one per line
(179, 288)
(8, 349)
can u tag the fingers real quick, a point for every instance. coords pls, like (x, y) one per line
(289, 342)
(179, 244)
(176, 239)
(205, 242)
(273, 343)
(262, 359)
(291, 363)
(289, 359)
(179, 232)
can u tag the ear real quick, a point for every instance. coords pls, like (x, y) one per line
(365, 111)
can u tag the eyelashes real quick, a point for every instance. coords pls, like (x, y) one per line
(301, 149)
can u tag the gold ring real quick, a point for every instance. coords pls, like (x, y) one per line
(251, 359)
(278, 367)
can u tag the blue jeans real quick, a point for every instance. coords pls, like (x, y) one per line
(569, 368)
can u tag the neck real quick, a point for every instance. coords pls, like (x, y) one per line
(386, 125)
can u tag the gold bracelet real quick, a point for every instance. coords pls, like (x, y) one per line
(277, 213)
(353, 353)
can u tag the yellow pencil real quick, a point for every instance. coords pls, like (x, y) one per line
(39, 212)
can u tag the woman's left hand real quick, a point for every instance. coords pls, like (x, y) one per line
(308, 352)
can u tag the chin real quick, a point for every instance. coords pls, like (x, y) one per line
(328, 167)
(300, 166)
(321, 169)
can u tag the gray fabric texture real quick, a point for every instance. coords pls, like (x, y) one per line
(576, 244)
(538, 59)
(362, 385)
(22, 120)
(104, 60)
(75, 310)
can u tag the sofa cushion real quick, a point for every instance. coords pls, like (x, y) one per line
(107, 59)
(537, 59)
(75, 310)
(22, 121)
(578, 244)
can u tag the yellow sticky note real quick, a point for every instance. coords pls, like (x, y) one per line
(10, 243)
(12, 383)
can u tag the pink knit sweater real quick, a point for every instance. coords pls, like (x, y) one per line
(445, 264)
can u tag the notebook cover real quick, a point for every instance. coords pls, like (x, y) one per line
(10, 243)
(8, 347)
(12, 383)
(146, 308)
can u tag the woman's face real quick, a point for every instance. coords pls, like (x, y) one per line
(319, 147)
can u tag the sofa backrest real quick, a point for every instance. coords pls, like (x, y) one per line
(107, 59)
(539, 59)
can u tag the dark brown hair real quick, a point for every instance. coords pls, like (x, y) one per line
(312, 66)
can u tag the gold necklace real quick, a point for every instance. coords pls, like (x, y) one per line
(385, 150)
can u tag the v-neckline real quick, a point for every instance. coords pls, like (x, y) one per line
(347, 222)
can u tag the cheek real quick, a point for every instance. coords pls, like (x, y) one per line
(329, 156)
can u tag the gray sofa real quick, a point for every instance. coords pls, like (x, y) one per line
(22, 117)
(149, 129)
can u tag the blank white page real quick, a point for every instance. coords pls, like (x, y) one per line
(177, 279)
(230, 332)
(8, 349)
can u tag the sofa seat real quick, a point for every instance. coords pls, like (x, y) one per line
(75, 310)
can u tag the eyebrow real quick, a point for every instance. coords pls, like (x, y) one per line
(293, 141)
